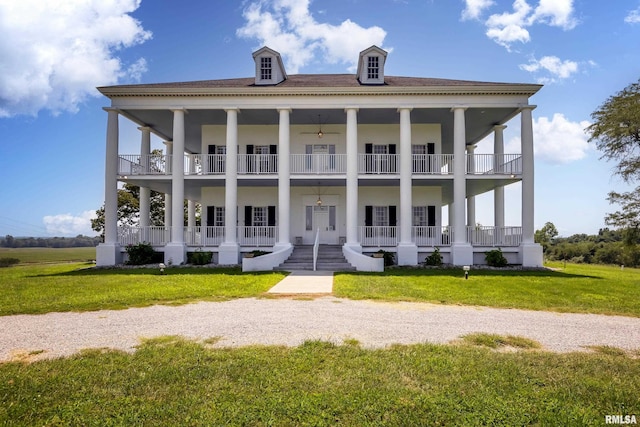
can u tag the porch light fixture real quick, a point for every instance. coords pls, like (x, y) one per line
(466, 269)
(319, 201)
(320, 134)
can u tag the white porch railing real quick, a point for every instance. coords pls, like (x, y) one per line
(156, 236)
(378, 163)
(257, 164)
(318, 164)
(431, 236)
(257, 236)
(203, 236)
(378, 236)
(145, 164)
(433, 164)
(494, 164)
(494, 236)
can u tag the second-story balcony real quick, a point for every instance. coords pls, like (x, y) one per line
(320, 164)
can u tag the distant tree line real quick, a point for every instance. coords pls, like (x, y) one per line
(606, 247)
(79, 241)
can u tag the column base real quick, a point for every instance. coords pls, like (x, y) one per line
(175, 253)
(531, 255)
(229, 254)
(407, 254)
(108, 254)
(461, 254)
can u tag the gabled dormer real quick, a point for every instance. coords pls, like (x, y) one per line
(371, 66)
(269, 67)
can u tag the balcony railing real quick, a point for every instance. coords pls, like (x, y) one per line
(156, 236)
(431, 236)
(494, 164)
(257, 236)
(494, 236)
(204, 236)
(378, 236)
(318, 164)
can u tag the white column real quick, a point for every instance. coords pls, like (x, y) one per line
(175, 250)
(191, 213)
(461, 250)
(531, 252)
(145, 192)
(108, 253)
(352, 179)
(471, 200)
(284, 183)
(168, 220)
(498, 192)
(407, 250)
(229, 250)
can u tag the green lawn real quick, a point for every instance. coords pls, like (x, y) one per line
(49, 255)
(579, 288)
(175, 382)
(75, 287)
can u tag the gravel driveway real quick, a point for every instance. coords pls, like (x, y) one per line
(289, 322)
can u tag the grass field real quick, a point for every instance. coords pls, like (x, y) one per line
(170, 381)
(578, 288)
(49, 255)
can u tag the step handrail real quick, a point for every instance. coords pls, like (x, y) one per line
(315, 249)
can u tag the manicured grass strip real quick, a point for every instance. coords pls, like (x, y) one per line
(579, 288)
(49, 255)
(174, 382)
(70, 287)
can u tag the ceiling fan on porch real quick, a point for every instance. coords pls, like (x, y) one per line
(320, 133)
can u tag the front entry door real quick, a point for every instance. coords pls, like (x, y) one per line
(323, 218)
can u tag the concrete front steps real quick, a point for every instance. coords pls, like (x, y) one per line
(330, 258)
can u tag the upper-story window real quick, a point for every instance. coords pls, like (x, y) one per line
(373, 67)
(265, 68)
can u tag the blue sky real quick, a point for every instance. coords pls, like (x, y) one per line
(54, 54)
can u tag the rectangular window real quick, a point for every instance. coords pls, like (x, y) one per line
(265, 68)
(373, 70)
(380, 216)
(379, 149)
(308, 218)
(419, 216)
(219, 216)
(259, 216)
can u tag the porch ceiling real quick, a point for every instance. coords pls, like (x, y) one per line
(479, 121)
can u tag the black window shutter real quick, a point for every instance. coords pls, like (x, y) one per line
(431, 216)
(392, 148)
(248, 216)
(211, 216)
(368, 216)
(368, 148)
(212, 149)
(273, 149)
(431, 148)
(271, 216)
(393, 221)
(249, 149)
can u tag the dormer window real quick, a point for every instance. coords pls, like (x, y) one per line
(265, 68)
(269, 67)
(371, 66)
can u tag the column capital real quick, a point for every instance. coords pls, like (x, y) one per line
(459, 107)
(281, 109)
(351, 108)
(527, 107)
(167, 142)
(404, 108)
(228, 109)
(175, 110)
(111, 109)
(145, 128)
(499, 127)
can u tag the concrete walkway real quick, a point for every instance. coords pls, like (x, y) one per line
(305, 282)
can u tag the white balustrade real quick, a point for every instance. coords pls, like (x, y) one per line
(494, 164)
(431, 236)
(155, 235)
(378, 236)
(257, 164)
(432, 164)
(378, 163)
(318, 163)
(494, 236)
(204, 236)
(144, 164)
(257, 235)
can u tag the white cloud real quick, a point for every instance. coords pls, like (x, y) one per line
(558, 68)
(474, 8)
(54, 53)
(288, 27)
(69, 225)
(560, 140)
(633, 17)
(510, 27)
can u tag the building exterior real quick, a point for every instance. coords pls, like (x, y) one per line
(366, 161)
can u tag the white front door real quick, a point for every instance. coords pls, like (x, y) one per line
(322, 218)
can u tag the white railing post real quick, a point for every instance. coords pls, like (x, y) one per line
(316, 245)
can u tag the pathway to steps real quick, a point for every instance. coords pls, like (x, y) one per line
(305, 282)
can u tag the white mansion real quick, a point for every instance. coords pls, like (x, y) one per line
(365, 161)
